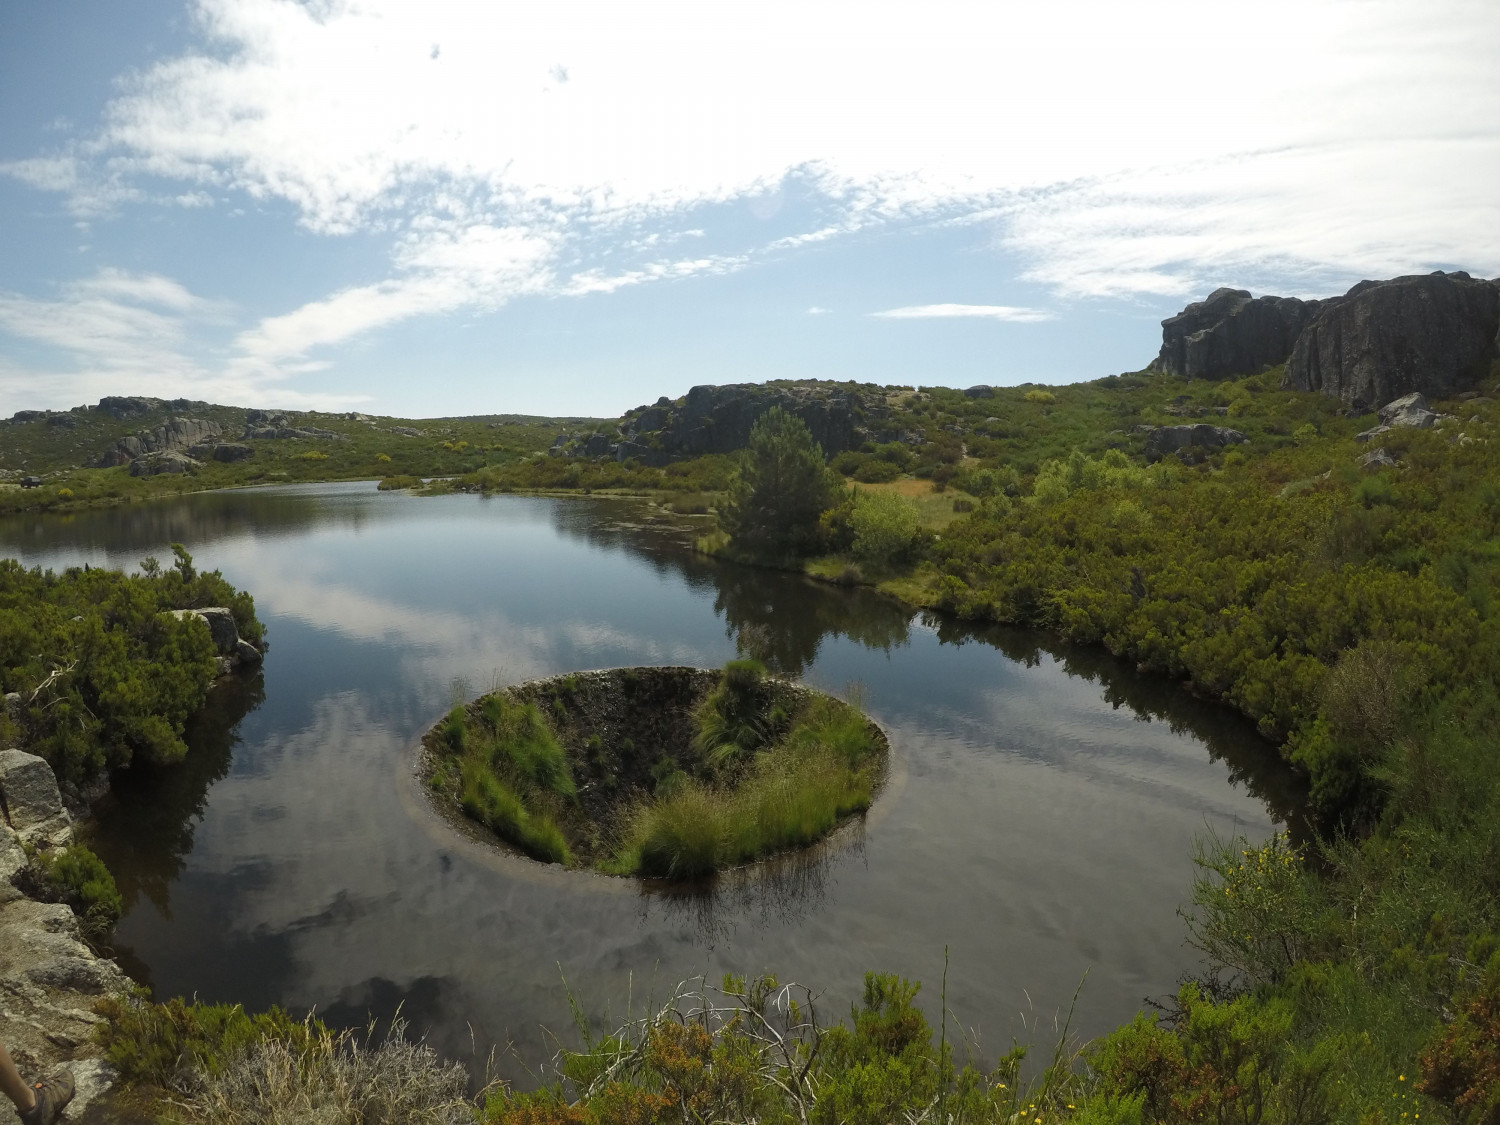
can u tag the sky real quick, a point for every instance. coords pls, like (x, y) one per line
(573, 207)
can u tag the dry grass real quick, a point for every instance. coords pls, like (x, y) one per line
(335, 1080)
(935, 508)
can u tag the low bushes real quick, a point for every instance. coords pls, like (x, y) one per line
(76, 876)
(202, 1063)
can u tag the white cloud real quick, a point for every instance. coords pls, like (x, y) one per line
(124, 333)
(510, 150)
(447, 268)
(342, 110)
(816, 310)
(992, 312)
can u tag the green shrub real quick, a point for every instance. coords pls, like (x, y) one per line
(154, 1044)
(78, 877)
(887, 526)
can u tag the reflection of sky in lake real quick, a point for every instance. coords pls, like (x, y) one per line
(1033, 828)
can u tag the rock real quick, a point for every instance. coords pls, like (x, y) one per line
(62, 422)
(80, 799)
(12, 863)
(247, 653)
(223, 451)
(407, 431)
(1378, 459)
(653, 418)
(221, 626)
(1435, 334)
(32, 802)
(628, 450)
(979, 391)
(1163, 440)
(29, 415)
(174, 435)
(1231, 333)
(1408, 411)
(168, 461)
(121, 407)
(49, 983)
(276, 433)
(596, 445)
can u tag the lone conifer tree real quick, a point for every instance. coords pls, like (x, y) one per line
(781, 489)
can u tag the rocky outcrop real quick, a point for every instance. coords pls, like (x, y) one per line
(1378, 459)
(718, 419)
(1408, 411)
(177, 435)
(168, 461)
(1435, 334)
(225, 451)
(50, 979)
(234, 651)
(263, 426)
(1162, 440)
(1231, 333)
(121, 407)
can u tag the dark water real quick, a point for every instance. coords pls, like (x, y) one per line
(1039, 825)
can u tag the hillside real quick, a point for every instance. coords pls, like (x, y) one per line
(127, 448)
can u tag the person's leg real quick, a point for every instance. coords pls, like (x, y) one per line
(10, 1082)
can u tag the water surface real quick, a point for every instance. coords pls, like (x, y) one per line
(1039, 825)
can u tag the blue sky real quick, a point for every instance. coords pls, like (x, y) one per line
(574, 207)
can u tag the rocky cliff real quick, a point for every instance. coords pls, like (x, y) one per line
(718, 419)
(1432, 334)
(1232, 333)
(50, 979)
(177, 435)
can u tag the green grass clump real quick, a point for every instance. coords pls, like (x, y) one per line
(733, 719)
(519, 735)
(494, 804)
(825, 769)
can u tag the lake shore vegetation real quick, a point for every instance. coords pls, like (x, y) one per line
(100, 667)
(1346, 605)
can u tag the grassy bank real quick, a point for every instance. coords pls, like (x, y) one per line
(660, 773)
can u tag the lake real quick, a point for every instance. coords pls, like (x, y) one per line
(1038, 827)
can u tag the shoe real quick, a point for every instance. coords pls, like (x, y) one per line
(51, 1095)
